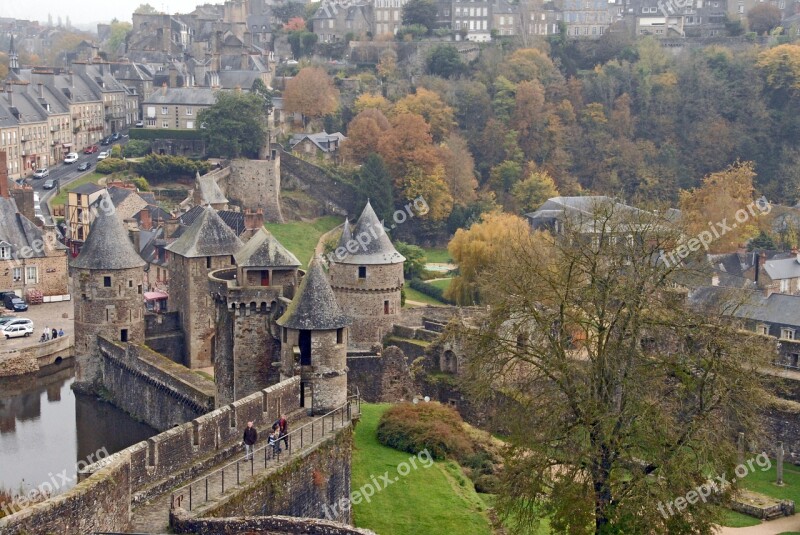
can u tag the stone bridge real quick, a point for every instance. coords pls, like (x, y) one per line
(194, 475)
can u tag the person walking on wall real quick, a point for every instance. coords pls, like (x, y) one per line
(283, 426)
(250, 437)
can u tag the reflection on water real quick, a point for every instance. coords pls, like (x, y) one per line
(45, 429)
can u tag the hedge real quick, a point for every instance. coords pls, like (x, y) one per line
(430, 291)
(163, 133)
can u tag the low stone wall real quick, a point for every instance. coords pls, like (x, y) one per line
(162, 323)
(101, 503)
(380, 378)
(272, 525)
(29, 359)
(784, 508)
(303, 487)
(151, 387)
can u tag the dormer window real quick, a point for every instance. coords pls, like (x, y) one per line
(787, 334)
(5, 251)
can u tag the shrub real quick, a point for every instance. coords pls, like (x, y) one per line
(111, 165)
(136, 148)
(155, 167)
(432, 426)
(429, 290)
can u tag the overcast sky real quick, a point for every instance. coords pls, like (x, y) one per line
(84, 12)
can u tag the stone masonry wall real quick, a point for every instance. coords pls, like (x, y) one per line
(51, 274)
(301, 488)
(30, 359)
(273, 525)
(338, 197)
(256, 184)
(163, 334)
(380, 378)
(151, 387)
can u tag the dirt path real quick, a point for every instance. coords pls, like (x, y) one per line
(781, 525)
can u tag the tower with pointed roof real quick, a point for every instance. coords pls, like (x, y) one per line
(366, 274)
(107, 279)
(13, 58)
(208, 244)
(314, 343)
(248, 298)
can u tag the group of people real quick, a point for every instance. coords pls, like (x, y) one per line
(280, 431)
(51, 334)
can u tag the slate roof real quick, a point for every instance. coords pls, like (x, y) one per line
(377, 248)
(264, 250)
(207, 236)
(752, 305)
(119, 194)
(107, 246)
(314, 308)
(783, 268)
(581, 210)
(18, 232)
(87, 189)
(209, 190)
(322, 140)
(195, 96)
(347, 234)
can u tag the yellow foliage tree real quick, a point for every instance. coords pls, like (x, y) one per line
(311, 93)
(372, 100)
(480, 247)
(781, 66)
(723, 206)
(430, 106)
(430, 185)
(533, 191)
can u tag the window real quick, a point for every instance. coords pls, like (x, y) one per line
(362, 272)
(130, 284)
(5, 253)
(190, 125)
(208, 262)
(123, 335)
(787, 334)
(386, 307)
(17, 273)
(189, 110)
(763, 329)
(164, 110)
(31, 274)
(339, 336)
(107, 282)
(784, 286)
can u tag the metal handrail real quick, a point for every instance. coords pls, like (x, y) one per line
(346, 408)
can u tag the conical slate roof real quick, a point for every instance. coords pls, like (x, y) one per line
(207, 236)
(374, 245)
(314, 308)
(264, 250)
(347, 235)
(107, 246)
(209, 190)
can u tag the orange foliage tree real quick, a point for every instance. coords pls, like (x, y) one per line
(311, 93)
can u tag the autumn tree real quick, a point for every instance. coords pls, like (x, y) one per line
(717, 207)
(376, 101)
(408, 143)
(477, 248)
(234, 125)
(311, 93)
(762, 18)
(530, 193)
(622, 394)
(363, 134)
(459, 169)
(295, 24)
(430, 185)
(429, 105)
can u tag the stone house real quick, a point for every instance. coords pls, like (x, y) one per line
(388, 16)
(472, 19)
(176, 107)
(320, 145)
(333, 20)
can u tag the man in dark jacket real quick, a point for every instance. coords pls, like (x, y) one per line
(282, 425)
(250, 437)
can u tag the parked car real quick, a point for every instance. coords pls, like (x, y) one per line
(115, 136)
(12, 302)
(106, 141)
(16, 331)
(72, 157)
(139, 124)
(5, 319)
(36, 197)
(84, 166)
(103, 155)
(91, 149)
(42, 172)
(51, 183)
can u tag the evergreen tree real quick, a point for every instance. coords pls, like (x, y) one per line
(375, 184)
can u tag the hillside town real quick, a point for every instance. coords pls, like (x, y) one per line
(401, 266)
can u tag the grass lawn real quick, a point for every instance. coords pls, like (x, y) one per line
(61, 198)
(438, 500)
(437, 256)
(414, 295)
(301, 237)
(734, 519)
(764, 482)
(443, 284)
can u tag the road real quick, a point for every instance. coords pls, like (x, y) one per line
(66, 173)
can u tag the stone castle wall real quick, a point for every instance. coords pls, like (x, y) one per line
(113, 312)
(324, 381)
(102, 500)
(275, 525)
(151, 387)
(383, 378)
(163, 334)
(337, 196)
(256, 184)
(364, 300)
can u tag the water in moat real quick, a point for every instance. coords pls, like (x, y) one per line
(47, 430)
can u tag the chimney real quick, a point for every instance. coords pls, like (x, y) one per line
(41, 89)
(10, 93)
(3, 175)
(245, 60)
(254, 220)
(145, 219)
(135, 238)
(164, 89)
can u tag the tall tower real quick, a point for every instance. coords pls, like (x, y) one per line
(367, 279)
(13, 58)
(249, 297)
(107, 278)
(208, 244)
(314, 343)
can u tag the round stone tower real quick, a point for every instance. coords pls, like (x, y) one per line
(107, 278)
(314, 343)
(366, 274)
